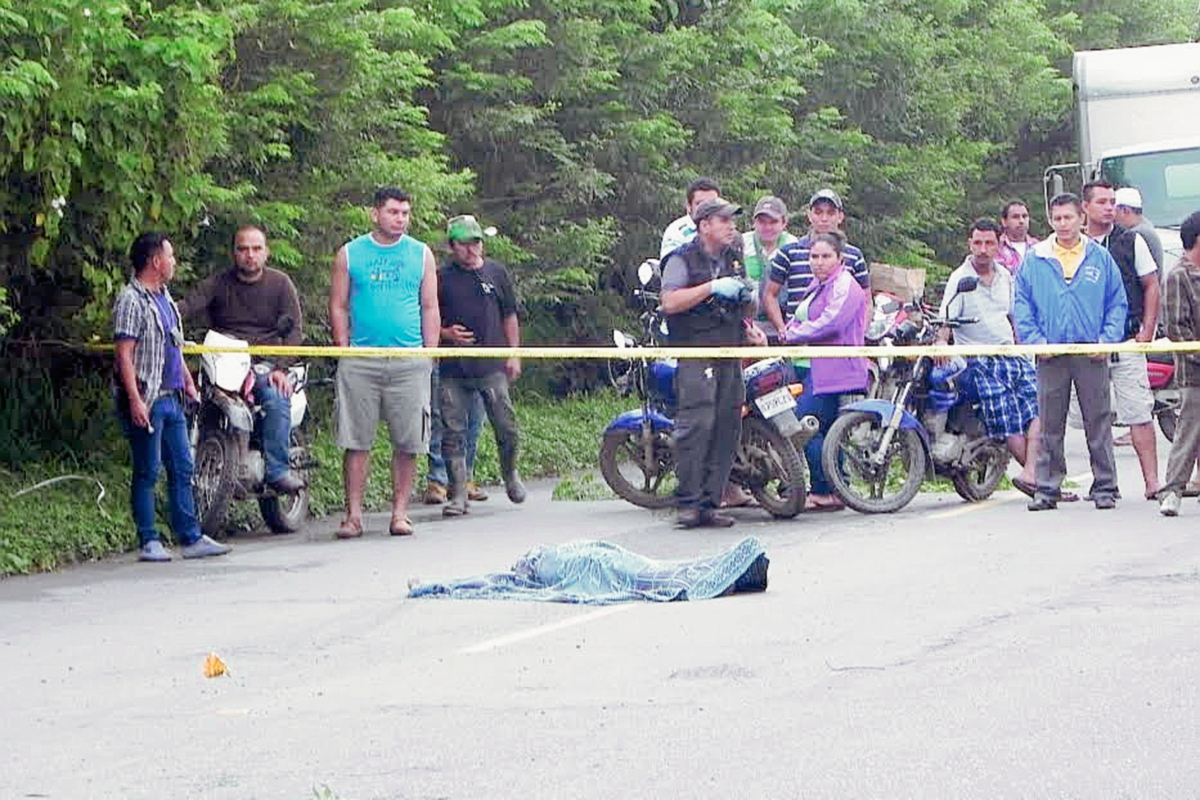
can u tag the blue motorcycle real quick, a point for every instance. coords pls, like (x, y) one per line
(879, 451)
(637, 457)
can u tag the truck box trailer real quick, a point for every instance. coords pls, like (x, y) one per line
(1138, 125)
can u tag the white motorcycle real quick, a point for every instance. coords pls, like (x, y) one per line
(229, 463)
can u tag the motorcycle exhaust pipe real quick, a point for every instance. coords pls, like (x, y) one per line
(809, 425)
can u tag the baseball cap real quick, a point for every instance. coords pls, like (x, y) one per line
(772, 206)
(1128, 197)
(717, 207)
(828, 196)
(464, 228)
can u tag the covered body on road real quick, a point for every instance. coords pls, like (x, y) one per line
(596, 572)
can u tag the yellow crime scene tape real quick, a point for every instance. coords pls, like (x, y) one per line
(784, 351)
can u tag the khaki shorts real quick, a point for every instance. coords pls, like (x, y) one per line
(1132, 398)
(396, 389)
(1133, 401)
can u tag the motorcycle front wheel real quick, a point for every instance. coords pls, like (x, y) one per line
(981, 477)
(286, 513)
(646, 483)
(215, 479)
(768, 465)
(867, 487)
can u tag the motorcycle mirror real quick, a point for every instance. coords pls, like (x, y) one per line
(646, 271)
(967, 284)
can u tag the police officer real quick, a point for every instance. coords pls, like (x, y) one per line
(706, 300)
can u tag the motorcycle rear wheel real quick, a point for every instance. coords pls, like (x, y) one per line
(623, 465)
(287, 513)
(981, 477)
(215, 479)
(865, 487)
(768, 465)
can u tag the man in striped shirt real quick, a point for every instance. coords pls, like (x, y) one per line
(790, 271)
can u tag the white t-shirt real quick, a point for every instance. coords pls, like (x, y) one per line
(992, 305)
(1143, 259)
(679, 232)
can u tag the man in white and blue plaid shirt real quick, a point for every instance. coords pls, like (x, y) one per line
(152, 382)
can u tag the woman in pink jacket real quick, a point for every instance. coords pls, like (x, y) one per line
(832, 312)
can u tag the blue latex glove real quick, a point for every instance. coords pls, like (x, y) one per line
(728, 288)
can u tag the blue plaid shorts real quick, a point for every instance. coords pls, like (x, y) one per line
(1006, 388)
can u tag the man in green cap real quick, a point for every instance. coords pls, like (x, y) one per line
(478, 309)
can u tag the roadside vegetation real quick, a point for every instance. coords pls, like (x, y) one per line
(87, 517)
(572, 128)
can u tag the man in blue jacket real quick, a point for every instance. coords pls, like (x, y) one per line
(1069, 291)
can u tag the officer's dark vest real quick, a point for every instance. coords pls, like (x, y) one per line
(1120, 243)
(714, 321)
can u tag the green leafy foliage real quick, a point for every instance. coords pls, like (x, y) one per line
(571, 126)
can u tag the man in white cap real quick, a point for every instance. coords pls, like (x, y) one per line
(1129, 216)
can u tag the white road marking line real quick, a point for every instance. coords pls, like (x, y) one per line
(995, 501)
(520, 636)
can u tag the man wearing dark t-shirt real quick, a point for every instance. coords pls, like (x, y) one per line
(260, 305)
(479, 308)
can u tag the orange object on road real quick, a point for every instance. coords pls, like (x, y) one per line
(214, 666)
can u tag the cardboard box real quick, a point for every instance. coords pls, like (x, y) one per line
(906, 284)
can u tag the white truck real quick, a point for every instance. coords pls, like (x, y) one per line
(1139, 125)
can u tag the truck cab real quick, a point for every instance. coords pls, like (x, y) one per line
(1138, 123)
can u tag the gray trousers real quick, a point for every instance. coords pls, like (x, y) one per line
(1055, 374)
(708, 425)
(456, 395)
(1186, 446)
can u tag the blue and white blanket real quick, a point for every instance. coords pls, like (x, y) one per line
(599, 573)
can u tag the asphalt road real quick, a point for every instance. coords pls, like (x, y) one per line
(944, 651)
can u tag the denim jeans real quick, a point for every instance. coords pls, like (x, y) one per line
(437, 464)
(825, 408)
(275, 427)
(164, 444)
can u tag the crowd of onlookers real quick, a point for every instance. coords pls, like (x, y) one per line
(1097, 278)
(386, 290)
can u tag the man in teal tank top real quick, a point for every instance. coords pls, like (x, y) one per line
(383, 293)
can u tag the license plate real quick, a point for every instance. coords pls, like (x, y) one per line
(775, 403)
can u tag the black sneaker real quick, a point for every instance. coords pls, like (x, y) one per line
(1106, 502)
(1042, 504)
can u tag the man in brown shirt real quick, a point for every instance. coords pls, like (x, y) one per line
(259, 304)
(1183, 325)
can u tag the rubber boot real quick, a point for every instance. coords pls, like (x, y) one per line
(456, 469)
(508, 471)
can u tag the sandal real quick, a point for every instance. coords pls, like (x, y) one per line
(818, 506)
(350, 529)
(1025, 488)
(402, 526)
